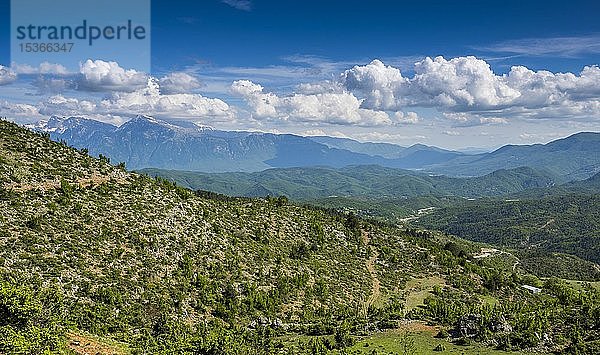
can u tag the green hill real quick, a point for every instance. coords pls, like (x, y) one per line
(95, 259)
(356, 181)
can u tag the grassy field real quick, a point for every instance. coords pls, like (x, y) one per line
(491, 300)
(418, 289)
(416, 338)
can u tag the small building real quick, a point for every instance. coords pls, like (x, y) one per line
(533, 289)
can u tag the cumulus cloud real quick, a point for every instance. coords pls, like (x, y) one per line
(456, 84)
(178, 83)
(380, 84)
(460, 83)
(7, 75)
(468, 92)
(120, 106)
(333, 108)
(98, 75)
(150, 101)
(543, 88)
(128, 93)
(327, 86)
(465, 90)
(117, 107)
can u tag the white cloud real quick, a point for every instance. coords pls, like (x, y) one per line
(456, 84)
(377, 82)
(129, 93)
(59, 105)
(467, 119)
(66, 106)
(406, 118)
(263, 105)
(333, 108)
(543, 88)
(42, 68)
(98, 75)
(178, 83)
(7, 76)
(118, 106)
(466, 90)
(463, 91)
(319, 87)
(461, 83)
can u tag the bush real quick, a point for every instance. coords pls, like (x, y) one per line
(25, 326)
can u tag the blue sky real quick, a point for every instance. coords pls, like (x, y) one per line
(287, 66)
(209, 31)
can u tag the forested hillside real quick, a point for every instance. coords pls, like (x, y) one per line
(557, 222)
(356, 181)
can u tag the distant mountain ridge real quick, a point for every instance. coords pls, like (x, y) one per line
(146, 142)
(576, 157)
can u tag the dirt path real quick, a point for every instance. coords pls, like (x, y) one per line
(376, 285)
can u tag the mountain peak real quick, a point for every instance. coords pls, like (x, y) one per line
(170, 124)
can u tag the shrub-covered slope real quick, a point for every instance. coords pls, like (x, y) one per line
(132, 255)
(94, 256)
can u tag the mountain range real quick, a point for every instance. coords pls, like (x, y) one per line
(146, 142)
